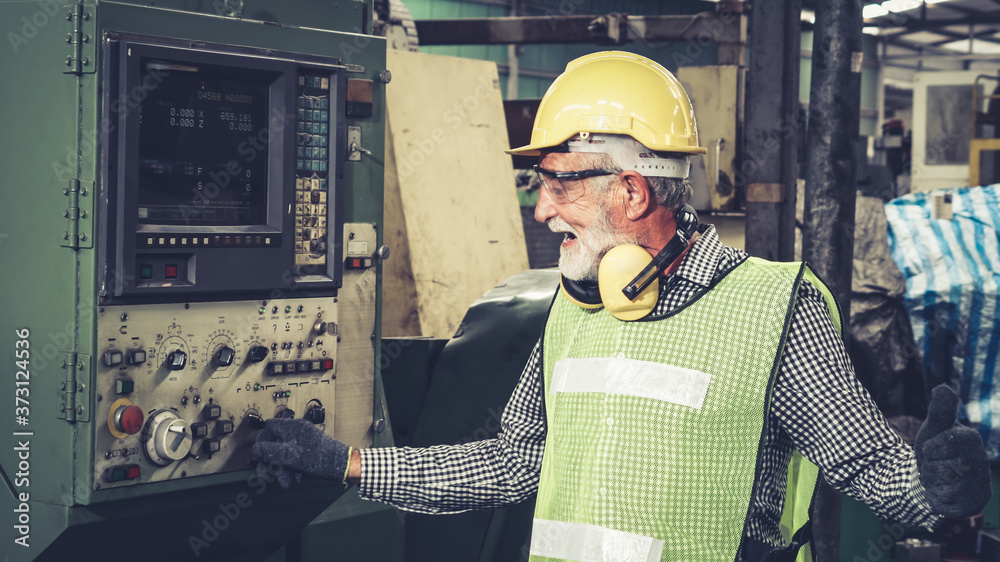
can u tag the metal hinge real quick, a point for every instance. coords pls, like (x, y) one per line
(79, 214)
(82, 22)
(74, 392)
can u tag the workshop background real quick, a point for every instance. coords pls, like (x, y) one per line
(863, 137)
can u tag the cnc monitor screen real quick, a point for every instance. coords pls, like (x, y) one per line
(202, 161)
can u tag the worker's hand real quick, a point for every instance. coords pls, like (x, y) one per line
(951, 459)
(287, 448)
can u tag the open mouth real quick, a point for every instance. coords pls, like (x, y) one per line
(569, 238)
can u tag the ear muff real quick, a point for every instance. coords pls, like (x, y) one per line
(584, 294)
(618, 267)
(628, 269)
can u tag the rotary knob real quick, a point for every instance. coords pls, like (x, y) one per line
(224, 357)
(316, 414)
(254, 420)
(258, 353)
(168, 438)
(319, 327)
(176, 360)
(128, 419)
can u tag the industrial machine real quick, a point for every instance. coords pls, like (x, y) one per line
(190, 237)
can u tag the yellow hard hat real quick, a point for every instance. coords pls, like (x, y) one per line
(615, 92)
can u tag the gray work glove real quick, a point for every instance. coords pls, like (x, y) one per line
(951, 459)
(287, 448)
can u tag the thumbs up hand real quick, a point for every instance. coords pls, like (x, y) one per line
(951, 459)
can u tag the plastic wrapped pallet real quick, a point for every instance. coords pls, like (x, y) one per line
(952, 271)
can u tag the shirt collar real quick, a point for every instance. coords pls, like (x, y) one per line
(702, 261)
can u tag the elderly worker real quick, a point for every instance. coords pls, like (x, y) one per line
(658, 413)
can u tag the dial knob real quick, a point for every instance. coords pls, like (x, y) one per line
(316, 414)
(224, 357)
(319, 327)
(254, 420)
(258, 353)
(128, 419)
(168, 438)
(286, 413)
(176, 360)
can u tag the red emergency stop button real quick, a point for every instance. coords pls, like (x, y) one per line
(129, 419)
(327, 364)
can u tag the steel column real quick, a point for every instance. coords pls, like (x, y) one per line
(831, 185)
(769, 167)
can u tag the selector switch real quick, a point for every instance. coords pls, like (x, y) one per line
(224, 357)
(211, 446)
(135, 356)
(224, 427)
(254, 420)
(258, 353)
(316, 414)
(112, 357)
(176, 360)
(199, 430)
(286, 413)
(211, 412)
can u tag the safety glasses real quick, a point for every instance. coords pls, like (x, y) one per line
(561, 186)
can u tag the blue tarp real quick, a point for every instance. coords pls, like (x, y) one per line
(952, 274)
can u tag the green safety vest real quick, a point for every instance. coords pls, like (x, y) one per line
(654, 426)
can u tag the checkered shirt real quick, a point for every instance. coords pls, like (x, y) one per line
(818, 406)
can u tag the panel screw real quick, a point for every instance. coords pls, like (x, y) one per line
(379, 425)
(385, 76)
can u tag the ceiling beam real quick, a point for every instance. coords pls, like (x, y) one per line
(985, 35)
(611, 28)
(911, 25)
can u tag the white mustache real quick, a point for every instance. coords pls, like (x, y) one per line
(556, 224)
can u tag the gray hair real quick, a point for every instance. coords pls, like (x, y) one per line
(671, 193)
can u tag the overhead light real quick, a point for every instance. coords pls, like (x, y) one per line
(809, 16)
(874, 11)
(871, 30)
(901, 5)
(935, 1)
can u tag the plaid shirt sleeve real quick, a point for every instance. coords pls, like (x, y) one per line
(477, 475)
(833, 421)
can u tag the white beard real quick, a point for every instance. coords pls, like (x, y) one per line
(581, 262)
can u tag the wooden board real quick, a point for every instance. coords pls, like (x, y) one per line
(450, 202)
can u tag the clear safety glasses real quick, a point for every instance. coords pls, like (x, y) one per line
(562, 187)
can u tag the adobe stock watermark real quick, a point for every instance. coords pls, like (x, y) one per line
(453, 117)
(91, 139)
(228, 512)
(252, 147)
(31, 25)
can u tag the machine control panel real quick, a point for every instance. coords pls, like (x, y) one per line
(186, 386)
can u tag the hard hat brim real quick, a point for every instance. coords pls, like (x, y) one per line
(535, 149)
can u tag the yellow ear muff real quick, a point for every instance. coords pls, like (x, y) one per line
(618, 267)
